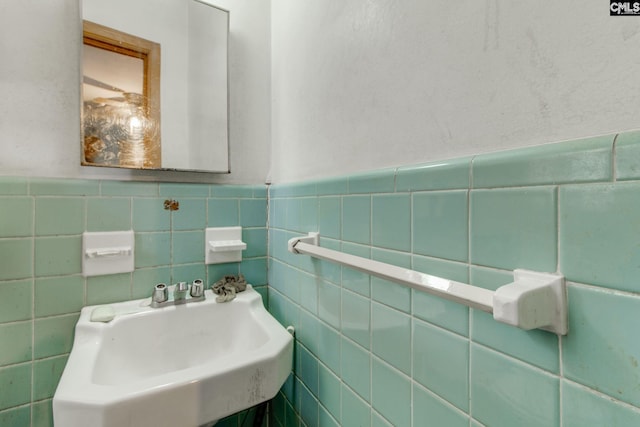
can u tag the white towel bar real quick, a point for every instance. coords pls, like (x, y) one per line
(533, 300)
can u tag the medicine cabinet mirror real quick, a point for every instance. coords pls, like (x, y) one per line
(155, 85)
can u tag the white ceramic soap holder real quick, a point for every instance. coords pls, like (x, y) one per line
(223, 244)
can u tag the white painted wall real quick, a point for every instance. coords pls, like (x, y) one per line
(349, 85)
(363, 84)
(40, 83)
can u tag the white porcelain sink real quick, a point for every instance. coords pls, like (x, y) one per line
(176, 366)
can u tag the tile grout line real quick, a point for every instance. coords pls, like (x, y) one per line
(614, 156)
(412, 314)
(602, 395)
(33, 306)
(131, 274)
(560, 381)
(558, 263)
(469, 310)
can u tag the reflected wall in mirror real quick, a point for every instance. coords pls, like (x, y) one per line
(155, 85)
(121, 99)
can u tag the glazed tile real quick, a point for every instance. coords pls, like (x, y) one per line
(329, 391)
(390, 293)
(628, 155)
(325, 419)
(223, 213)
(17, 257)
(14, 186)
(253, 213)
(378, 421)
(54, 335)
(440, 224)
(108, 289)
(356, 219)
(391, 330)
(441, 175)
(190, 216)
(256, 240)
(63, 187)
(356, 314)
(17, 417)
(355, 411)
(188, 272)
(58, 295)
(152, 249)
(20, 336)
(583, 160)
(356, 368)
(389, 389)
(391, 222)
(231, 191)
(16, 300)
(382, 181)
(355, 280)
(328, 350)
(58, 255)
(329, 218)
(332, 186)
(430, 410)
(149, 215)
(17, 216)
(598, 229)
(16, 378)
(254, 270)
(436, 310)
(329, 303)
(308, 406)
(129, 188)
(514, 228)
(582, 407)
(441, 363)
(308, 369)
(59, 215)
(183, 190)
(525, 396)
(46, 375)
(187, 246)
(108, 214)
(602, 350)
(308, 220)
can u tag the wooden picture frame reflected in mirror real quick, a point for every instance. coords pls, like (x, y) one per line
(121, 99)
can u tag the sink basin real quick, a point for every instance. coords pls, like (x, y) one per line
(182, 365)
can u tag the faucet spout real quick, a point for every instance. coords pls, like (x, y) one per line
(180, 292)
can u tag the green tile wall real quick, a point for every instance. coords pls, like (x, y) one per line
(42, 289)
(371, 353)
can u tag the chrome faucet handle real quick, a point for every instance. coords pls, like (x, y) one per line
(197, 288)
(160, 293)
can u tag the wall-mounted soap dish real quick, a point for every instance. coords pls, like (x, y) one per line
(108, 252)
(223, 244)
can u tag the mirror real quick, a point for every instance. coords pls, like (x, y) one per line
(155, 85)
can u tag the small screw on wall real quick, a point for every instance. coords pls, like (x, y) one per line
(171, 205)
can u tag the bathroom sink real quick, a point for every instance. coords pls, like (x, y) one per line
(175, 366)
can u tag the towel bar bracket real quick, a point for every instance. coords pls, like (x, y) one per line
(533, 301)
(313, 238)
